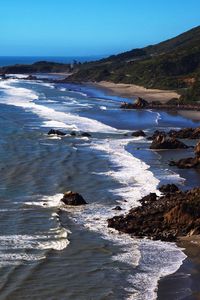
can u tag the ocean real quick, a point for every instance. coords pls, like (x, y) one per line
(12, 60)
(49, 251)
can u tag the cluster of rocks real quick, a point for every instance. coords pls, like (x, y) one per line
(73, 133)
(162, 141)
(174, 214)
(189, 162)
(139, 103)
(173, 104)
(185, 133)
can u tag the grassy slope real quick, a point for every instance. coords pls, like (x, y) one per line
(173, 64)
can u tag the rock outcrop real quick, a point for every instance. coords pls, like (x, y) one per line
(138, 133)
(85, 134)
(189, 162)
(186, 133)
(31, 77)
(139, 103)
(56, 132)
(168, 189)
(162, 218)
(163, 142)
(73, 199)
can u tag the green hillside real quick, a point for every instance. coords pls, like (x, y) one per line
(172, 64)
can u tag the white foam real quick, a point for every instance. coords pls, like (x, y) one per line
(134, 179)
(57, 124)
(24, 98)
(158, 116)
(19, 76)
(132, 173)
(63, 89)
(103, 107)
(152, 259)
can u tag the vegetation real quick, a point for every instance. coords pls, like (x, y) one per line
(173, 64)
(38, 67)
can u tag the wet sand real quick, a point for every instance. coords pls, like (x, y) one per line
(184, 284)
(194, 115)
(132, 91)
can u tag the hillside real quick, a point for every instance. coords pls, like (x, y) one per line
(38, 67)
(172, 64)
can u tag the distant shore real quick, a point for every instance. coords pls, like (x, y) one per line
(132, 91)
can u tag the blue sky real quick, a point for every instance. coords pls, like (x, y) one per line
(90, 27)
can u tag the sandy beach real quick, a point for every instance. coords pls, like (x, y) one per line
(132, 91)
(194, 115)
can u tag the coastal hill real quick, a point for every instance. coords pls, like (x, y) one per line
(38, 67)
(172, 64)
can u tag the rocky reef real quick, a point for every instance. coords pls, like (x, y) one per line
(174, 214)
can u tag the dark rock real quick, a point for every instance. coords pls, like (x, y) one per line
(186, 163)
(139, 104)
(72, 198)
(73, 133)
(166, 218)
(138, 133)
(186, 133)
(156, 133)
(149, 198)
(117, 208)
(168, 189)
(190, 162)
(85, 134)
(31, 77)
(3, 76)
(162, 142)
(56, 132)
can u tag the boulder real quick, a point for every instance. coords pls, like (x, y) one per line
(162, 142)
(138, 104)
(56, 132)
(85, 134)
(168, 189)
(73, 198)
(138, 133)
(155, 134)
(149, 198)
(31, 77)
(141, 103)
(73, 133)
(117, 208)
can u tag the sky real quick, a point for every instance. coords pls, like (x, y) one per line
(90, 27)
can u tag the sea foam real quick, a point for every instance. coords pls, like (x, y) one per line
(27, 99)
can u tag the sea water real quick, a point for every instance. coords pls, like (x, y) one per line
(49, 251)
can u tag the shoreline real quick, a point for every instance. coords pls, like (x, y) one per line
(150, 95)
(132, 91)
(186, 279)
(188, 245)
